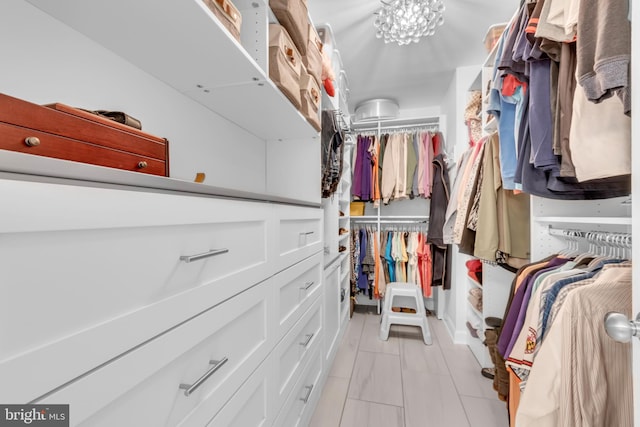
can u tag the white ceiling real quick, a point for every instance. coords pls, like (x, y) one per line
(415, 75)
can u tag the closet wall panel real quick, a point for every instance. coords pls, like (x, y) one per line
(66, 67)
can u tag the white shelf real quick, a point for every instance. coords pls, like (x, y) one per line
(23, 166)
(474, 283)
(480, 351)
(476, 312)
(344, 276)
(181, 43)
(584, 220)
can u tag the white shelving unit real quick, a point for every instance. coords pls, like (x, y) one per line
(182, 44)
(496, 280)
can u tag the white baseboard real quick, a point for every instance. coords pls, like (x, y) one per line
(458, 336)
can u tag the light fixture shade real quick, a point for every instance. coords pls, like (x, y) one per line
(376, 109)
(406, 21)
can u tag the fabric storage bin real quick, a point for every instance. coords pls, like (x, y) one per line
(228, 14)
(293, 15)
(313, 58)
(310, 99)
(285, 63)
(356, 208)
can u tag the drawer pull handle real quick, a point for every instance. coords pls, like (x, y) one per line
(307, 285)
(142, 165)
(32, 141)
(308, 340)
(306, 233)
(214, 252)
(190, 388)
(309, 388)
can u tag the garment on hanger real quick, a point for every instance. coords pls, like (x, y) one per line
(560, 388)
(540, 67)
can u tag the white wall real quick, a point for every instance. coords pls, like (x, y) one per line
(453, 106)
(69, 68)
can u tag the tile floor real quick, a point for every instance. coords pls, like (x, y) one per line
(403, 383)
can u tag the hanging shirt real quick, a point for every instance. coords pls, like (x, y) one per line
(389, 257)
(561, 390)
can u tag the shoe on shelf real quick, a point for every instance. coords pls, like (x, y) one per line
(341, 213)
(342, 231)
(488, 373)
(342, 248)
(493, 322)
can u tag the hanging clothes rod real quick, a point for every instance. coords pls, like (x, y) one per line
(599, 238)
(426, 126)
(392, 221)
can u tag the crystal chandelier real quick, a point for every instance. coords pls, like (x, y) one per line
(405, 21)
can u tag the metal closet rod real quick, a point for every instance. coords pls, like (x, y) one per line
(425, 126)
(391, 221)
(601, 238)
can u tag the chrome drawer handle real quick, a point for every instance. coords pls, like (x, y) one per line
(308, 340)
(214, 252)
(309, 388)
(190, 388)
(307, 285)
(306, 233)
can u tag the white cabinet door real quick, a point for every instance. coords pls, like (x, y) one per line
(252, 405)
(331, 309)
(184, 376)
(292, 353)
(104, 271)
(299, 406)
(299, 234)
(297, 287)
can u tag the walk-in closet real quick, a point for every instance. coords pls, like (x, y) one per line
(318, 213)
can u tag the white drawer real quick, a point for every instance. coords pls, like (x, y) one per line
(100, 290)
(252, 405)
(299, 234)
(303, 398)
(297, 287)
(143, 387)
(292, 353)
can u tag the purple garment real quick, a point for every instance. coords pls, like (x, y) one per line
(363, 279)
(522, 312)
(363, 170)
(367, 170)
(511, 318)
(356, 188)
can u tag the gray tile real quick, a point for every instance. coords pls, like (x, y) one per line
(348, 349)
(371, 318)
(367, 414)
(371, 341)
(377, 378)
(440, 332)
(465, 371)
(431, 400)
(485, 412)
(409, 331)
(415, 356)
(329, 408)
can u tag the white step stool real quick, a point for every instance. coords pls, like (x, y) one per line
(410, 295)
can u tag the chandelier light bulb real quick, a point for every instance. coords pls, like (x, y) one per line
(406, 21)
